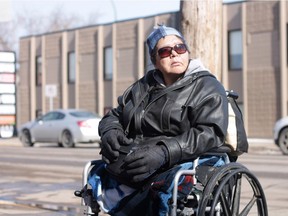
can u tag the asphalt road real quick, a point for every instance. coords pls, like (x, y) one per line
(41, 180)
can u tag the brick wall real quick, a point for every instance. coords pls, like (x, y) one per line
(263, 67)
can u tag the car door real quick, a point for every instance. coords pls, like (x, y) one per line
(55, 125)
(46, 128)
(41, 126)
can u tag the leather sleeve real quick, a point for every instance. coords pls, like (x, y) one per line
(113, 119)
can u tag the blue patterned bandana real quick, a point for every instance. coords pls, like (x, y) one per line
(160, 32)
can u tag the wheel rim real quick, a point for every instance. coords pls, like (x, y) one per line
(230, 205)
(26, 138)
(210, 185)
(67, 139)
(283, 141)
(224, 193)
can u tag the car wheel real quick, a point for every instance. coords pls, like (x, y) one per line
(67, 139)
(283, 141)
(26, 138)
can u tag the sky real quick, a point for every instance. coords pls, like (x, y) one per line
(108, 10)
(104, 11)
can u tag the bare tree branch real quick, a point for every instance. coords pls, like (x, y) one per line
(31, 22)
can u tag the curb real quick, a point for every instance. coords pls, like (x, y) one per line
(261, 141)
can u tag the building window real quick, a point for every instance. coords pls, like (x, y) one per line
(235, 50)
(38, 70)
(108, 63)
(71, 67)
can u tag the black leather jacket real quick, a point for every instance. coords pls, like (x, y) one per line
(189, 117)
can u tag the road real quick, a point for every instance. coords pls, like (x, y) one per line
(44, 178)
(271, 170)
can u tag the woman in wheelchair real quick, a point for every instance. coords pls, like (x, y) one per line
(175, 113)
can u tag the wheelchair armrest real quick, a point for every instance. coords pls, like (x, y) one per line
(87, 169)
(219, 151)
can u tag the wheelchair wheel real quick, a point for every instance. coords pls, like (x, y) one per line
(227, 193)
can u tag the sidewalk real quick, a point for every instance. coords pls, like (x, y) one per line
(263, 146)
(14, 141)
(255, 145)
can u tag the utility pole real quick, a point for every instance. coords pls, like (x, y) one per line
(201, 23)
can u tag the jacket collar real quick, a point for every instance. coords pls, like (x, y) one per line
(195, 65)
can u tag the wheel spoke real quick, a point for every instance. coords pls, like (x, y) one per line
(225, 204)
(248, 207)
(226, 187)
(237, 195)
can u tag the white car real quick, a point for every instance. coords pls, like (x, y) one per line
(63, 126)
(281, 134)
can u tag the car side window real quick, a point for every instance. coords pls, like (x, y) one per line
(60, 116)
(52, 116)
(48, 117)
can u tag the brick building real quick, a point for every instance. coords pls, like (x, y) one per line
(90, 67)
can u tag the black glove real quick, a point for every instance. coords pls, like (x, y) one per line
(110, 145)
(142, 162)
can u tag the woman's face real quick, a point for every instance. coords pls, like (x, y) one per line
(174, 65)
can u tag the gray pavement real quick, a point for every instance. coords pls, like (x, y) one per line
(40, 203)
(50, 204)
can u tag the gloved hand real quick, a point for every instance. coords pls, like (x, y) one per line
(110, 145)
(142, 162)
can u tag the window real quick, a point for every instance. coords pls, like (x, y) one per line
(108, 63)
(235, 50)
(52, 116)
(71, 67)
(83, 114)
(38, 70)
(49, 116)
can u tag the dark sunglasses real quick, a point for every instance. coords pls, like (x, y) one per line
(166, 51)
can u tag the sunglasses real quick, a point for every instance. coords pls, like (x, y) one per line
(166, 51)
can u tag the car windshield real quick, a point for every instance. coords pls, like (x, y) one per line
(83, 114)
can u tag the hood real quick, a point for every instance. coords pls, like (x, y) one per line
(195, 65)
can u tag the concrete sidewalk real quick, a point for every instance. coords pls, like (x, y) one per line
(263, 146)
(14, 141)
(255, 145)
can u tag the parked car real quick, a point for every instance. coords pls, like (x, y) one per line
(281, 134)
(63, 126)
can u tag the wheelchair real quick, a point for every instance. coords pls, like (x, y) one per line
(229, 190)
